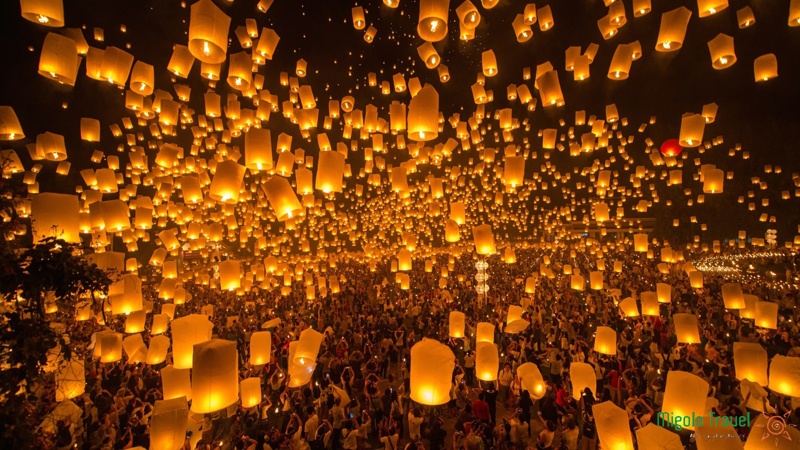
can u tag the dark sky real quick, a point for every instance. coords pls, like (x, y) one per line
(763, 117)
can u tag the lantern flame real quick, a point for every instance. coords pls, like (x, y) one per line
(42, 18)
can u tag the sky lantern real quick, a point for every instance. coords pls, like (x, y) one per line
(722, 52)
(227, 182)
(784, 375)
(692, 127)
(168, 423)
(359, 21)
(260, 348)
(545, 17)
(433, 19)
(59, 59)
(671, 148)
(176, 383)
(330, 172)
(765, 67)
(732, 296)
(485, 332)
(629, 307)
(767, 315)
(468, 15)
(10, 128)
(49, 13)
(70, 380)
(673, 29)
(582, 376)
(713, 180)
(641, 7)
(710, 7)
(282, 198)
(55, 215)
(215, 376)
(531, 380)
(685, 395)
(208, 32)
(484, 240)
(267, 43)
(186, 332)
(258, 149)
(605, 341)
(620, 63)
(550, 89)
(240, 71)
(423, 115)
(750, 361)
(489, 63)
(428, 55)
(250, 392)
(457, 324)
(686, 328)
(487, 361)
(308, 346)
(432, 365)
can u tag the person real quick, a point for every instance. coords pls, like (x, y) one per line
(547, 435)
(504, 378)
(415, 419)
(490, 396)
(481, 408)
(437, 434)
(469, 367)
(570, 435)
(337, 422)
(389, 438)
(350, 434)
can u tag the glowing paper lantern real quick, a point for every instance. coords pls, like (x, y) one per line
(613, 430)
(696, 279)
(582, 376)
(686, 328)
(208, 32)
(673, 29)
(186, 332)
(485, 332)
(664, 293)
(49, 13)
(10, 128)
(514, 171)
(550, 88)
(215, 376)
(423, 115)
(59, 59)
(629, 307)
(260, 348)
(692, 127)
(685, 395)
(531, 380)
(308, 347)
(168, 424)
(429, 55)
(432, 25)
(250, 392)
(227, 182)
(330, 172)
(457, 324)
(732, 296)
(750, 361)
(55, 215)
(484, 240)
(70, 380)
(768, 433)
(596, 280)
(709, 7)
(282, 198)
(489, 63)
(134, 323)
(722, 52)
(176, 383)
(605, 341)
(640, 243)
(765, 67)
(784, 375)
(229, 275)
(577, 282)
(432, 365)
(487, 361)
(652, 436)
(767, 315)
(157, 352)
(108, 346)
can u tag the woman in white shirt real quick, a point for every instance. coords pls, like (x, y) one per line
(389, 439)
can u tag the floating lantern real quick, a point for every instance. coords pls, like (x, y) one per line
(227, 182)
(208, 32)
(767, 315)
(485, 332)
(176, 383)
(423, 115)
(613, 430)
(55, 215)
(70, 380)
(215, 376)
(722, 52)
(457, 324)
(750, 361)
(484, 240)
(673, 29)
(629, 307)
(765, 67)
(784, 375)
(605, 341)
(282, 198)
(685, 396)
(686, 328)
(432, 25)
(582, 376)
(59, 59)
(186, 332)
(260, 348)
(250, 391)
(732, 296)
(487, 361)
(330, 172)
(432, 365)
(168, 424)
(531, 380)
(308, 347)
(709, 7)
(49, 13)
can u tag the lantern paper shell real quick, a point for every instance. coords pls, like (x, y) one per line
(251, 392)
(710, 7)
(157, 352)
(208, 32)
(134, 323)
(432, 365)
(432, 25)
(531, 380)
(629, 307)
(484, 240)
(685, 395)
(732, 296)
(10, 128)
(457, 321)
(664, 292)
(215, 376)
(696, 279)
(186, 332)
(282, 198)
(686, 328)
(487, 361)
(260, 348)
(70, 380)
(767, 315)
(596, 280)
(640, 242)
(176, 383)
(550, 88)
(652, 436)
(308, 347)
(784, 375)
(485, 332)
(650, 303)
(673, 29)
(514, 171)
(227, 182)
(577, 283)
(613, 430)
(59, 59)
(423, 115)
(605, 341)
(108, 346)
(692, 128)
(229, 275)
(765, 67)
(55, 215)
(750, 361)
(49, 13)
(330, 172)
(582, 376)
(168, 424)
(722, 51)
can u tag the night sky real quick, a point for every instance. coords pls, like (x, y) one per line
(762, 117)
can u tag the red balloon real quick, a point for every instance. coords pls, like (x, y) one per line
(671, 147)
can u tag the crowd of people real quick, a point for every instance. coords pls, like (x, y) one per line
(360, 397)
